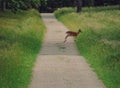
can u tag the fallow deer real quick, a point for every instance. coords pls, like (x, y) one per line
(71, 33)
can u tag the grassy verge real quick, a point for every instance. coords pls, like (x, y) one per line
(99, 42)
(21, 36)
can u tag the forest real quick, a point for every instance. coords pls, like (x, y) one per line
(51, 5)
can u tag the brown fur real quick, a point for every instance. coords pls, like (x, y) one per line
(71, 33)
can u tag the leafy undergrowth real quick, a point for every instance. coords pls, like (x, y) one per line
(21, 36)
(99, 41)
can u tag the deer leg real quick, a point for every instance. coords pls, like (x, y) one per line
(75, 38)
(66, 38)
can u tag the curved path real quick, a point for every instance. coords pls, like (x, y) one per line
(59, 65)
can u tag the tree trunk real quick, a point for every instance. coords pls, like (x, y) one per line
(79, 5)
(3, 5)
(92, 3)
(119, 4)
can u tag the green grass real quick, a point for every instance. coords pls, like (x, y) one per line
(21, 36)
(99, 42)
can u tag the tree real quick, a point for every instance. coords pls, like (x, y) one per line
(43, 6)
(3, 4)
(14, 5)
(119, 4)
(26, 4)
(91, 2)
(79, 5)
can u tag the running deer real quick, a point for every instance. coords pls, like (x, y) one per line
(71, 33)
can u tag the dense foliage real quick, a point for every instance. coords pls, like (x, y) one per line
(51, 5)
(19, 4)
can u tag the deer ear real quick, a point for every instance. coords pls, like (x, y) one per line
(80, 30)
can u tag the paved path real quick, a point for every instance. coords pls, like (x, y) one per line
(59, 65)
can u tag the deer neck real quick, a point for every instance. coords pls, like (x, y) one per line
(78, 32)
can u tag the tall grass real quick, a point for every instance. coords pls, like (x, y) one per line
(21, 36)
(99, 42)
